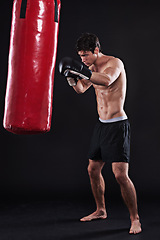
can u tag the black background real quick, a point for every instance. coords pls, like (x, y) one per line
(54, 165)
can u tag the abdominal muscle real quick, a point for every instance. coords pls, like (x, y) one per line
(110, 100)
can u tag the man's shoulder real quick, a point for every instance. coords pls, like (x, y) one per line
(106, 59)
(115, 61)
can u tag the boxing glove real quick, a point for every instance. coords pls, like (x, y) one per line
(72, 68)
(71, 78)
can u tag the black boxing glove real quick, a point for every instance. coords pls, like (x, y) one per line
(71, 79)
(71, 68)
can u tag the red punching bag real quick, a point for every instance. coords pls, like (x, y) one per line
(32, 58)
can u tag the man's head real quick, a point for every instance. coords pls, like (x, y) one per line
(88, 42)
(88, 46)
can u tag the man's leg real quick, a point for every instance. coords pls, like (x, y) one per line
(120, 170)
(98, 189)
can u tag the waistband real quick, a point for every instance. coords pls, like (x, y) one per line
(113, 119)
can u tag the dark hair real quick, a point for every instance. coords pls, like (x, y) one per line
(88, 42)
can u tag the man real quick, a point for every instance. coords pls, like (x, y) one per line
(111, 137)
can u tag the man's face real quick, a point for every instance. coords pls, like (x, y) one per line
(87, 57)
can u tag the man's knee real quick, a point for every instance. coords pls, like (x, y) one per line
(94, 168)
(121, 178)
(92, 171)
(120, 171)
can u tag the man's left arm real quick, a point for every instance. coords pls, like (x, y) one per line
(109, 75)
(72, 68)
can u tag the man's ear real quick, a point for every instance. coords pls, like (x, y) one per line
(96, 50)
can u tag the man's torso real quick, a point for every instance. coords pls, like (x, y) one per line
(110, 100)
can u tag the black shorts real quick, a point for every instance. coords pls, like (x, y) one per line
(111, 142)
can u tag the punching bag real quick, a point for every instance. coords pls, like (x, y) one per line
(32, 58)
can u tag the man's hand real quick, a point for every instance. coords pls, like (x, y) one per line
(73, 70)
(71, 79)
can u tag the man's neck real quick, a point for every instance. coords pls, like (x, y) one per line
(98, 59)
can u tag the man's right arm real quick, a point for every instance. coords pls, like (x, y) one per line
(76, 73)
(82, 85)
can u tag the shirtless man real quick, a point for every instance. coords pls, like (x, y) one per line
(110, 142)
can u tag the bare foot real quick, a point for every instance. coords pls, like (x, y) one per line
(96, 215)
(135, 227)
